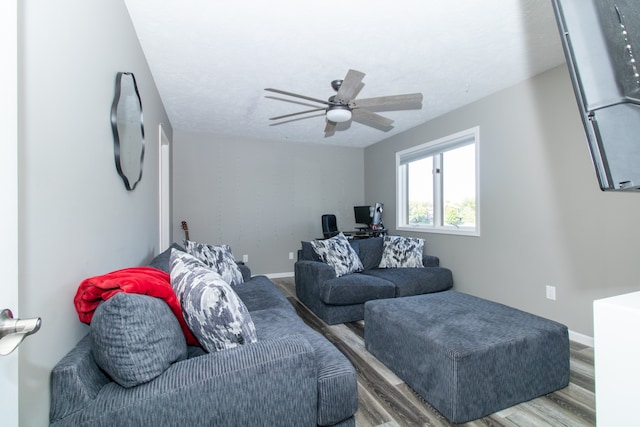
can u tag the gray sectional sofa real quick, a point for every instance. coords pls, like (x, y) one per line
(291, 376)
(341, 299)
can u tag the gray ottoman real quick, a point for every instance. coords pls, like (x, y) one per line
(466, 356)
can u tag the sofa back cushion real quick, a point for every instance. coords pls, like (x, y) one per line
(307, 253)
(370, 251)
(135, 338)
(161, 261)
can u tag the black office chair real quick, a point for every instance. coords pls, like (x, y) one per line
(329, 225)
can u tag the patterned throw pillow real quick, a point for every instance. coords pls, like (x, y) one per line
(399, 251)
(213, 311)
(338, 253)
(218, 257)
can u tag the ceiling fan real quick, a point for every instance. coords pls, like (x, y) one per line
(343, 106)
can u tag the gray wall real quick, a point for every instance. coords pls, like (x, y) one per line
(262, 197)
(544, 220)
(76, 219)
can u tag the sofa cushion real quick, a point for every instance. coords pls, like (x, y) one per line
(370, 251)
(400, 251)
(414, 281)
(214, 312)
(355, 289)
(219, 258)
(338, 253)
(162, 260)
(260, 293)
(135, 338)
(337, 382)
(308, 253)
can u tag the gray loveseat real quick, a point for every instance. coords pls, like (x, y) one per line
(341, 299)
(291, 376)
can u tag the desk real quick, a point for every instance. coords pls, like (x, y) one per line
(365, 233)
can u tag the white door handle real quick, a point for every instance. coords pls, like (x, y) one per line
(13, 331)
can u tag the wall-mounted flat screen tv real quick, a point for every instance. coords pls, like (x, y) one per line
(601, 41)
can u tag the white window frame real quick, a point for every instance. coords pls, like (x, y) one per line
(433, 148)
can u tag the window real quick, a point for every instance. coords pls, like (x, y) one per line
(437, 187)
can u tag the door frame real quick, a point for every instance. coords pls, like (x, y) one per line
(164, 188)
(9, 375)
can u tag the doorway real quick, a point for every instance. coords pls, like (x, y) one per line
(164, 186)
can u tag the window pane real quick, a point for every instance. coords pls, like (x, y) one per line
(459, 187)
(420, 188)
(437, 186)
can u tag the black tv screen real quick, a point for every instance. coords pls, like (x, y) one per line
(601, 41)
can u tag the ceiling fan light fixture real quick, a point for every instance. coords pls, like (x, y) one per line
(339, 114)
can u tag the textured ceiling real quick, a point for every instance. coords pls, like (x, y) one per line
(211, 60)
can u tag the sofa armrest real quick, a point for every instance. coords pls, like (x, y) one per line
(76, 380)
(245, 270)
(309, 277)
(430, 261)
(270, 382)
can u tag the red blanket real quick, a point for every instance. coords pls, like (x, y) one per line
(137, 280)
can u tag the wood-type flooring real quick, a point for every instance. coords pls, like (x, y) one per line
(384, 400)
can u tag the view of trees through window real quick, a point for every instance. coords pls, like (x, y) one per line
(457, 168)
(459, 186)
(420, 191)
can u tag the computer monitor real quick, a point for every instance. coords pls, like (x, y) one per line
(363, 215)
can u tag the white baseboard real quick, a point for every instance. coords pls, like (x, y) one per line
(280, 275)
(580, 338)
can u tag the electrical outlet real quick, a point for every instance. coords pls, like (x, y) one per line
(245, 258)
(551, 292)
(290, 255)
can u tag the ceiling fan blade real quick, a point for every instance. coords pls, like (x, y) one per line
(330, 128)
(350, 86)
(372, 117)
(297, 119)
(292, 101)
(308, 98)
(295, 114)
(384, 101)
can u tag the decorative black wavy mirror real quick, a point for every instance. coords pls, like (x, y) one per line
(128, 130)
